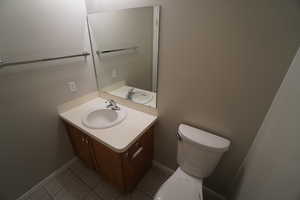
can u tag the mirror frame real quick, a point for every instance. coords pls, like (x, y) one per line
(155, 59)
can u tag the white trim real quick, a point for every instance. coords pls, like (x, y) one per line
(155, 47)
(170, 171)
(162, 167)
(45, 180)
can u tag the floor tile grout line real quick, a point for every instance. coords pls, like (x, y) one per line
(56, 193)
(100, 198)
(81, 180)
(74, 173)
(92, 189)
(151, 196)
(148, 195)
(52, 197)
(97, 194)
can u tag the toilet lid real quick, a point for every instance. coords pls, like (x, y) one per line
(180, 188)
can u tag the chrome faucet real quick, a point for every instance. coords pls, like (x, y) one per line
(112, 105)
(130, 93)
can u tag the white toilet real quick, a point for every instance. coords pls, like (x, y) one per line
(198, 154)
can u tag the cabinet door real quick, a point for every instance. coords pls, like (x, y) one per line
(81, 145)
(109, 164)
(138, 159)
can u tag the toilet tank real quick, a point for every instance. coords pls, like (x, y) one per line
(199, 151)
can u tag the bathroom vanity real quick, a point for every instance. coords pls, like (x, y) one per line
(118, 143)
(122, 153)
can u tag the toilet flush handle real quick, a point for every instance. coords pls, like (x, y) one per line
(179, 136)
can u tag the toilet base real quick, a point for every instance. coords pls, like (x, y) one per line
(180, 186)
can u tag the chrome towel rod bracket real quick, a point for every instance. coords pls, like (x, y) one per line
(5, 64)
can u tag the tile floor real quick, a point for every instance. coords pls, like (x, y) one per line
(80, 183)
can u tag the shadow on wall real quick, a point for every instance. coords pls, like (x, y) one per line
(63, 142)
(236, 183)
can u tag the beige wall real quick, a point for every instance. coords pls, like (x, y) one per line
(271, 170)
(33, 142)
(220, 65)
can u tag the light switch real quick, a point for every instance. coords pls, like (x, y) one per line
(72, 86)
(114, 73)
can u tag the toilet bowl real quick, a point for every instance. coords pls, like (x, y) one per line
(198, 153)
(180, 186)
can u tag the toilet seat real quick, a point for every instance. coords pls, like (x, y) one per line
(180, 186)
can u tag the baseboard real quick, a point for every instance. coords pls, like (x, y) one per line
(170, 171)
(213, 193)
(45, 180)
(162, 167)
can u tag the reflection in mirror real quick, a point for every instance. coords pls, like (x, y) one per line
(125, 47)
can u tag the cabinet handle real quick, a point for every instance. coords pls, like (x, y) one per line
(82, 139)
(137, 153)
(86, 141)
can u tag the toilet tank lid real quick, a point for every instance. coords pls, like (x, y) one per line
(203, 139)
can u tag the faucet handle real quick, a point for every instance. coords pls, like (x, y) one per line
(112, 104)
(130, 93)
(131, 89)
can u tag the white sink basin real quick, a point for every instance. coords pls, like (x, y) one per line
(100, 118)
(141, 97)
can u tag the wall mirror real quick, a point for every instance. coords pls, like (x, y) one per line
(125, 49)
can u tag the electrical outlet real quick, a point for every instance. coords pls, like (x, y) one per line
(72, 86)
(114, 73)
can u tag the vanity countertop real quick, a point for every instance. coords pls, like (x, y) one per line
(119, 137)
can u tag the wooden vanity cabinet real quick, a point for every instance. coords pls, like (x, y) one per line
(81, 145)
(123, 170)
(138, 159)
(109, 165)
